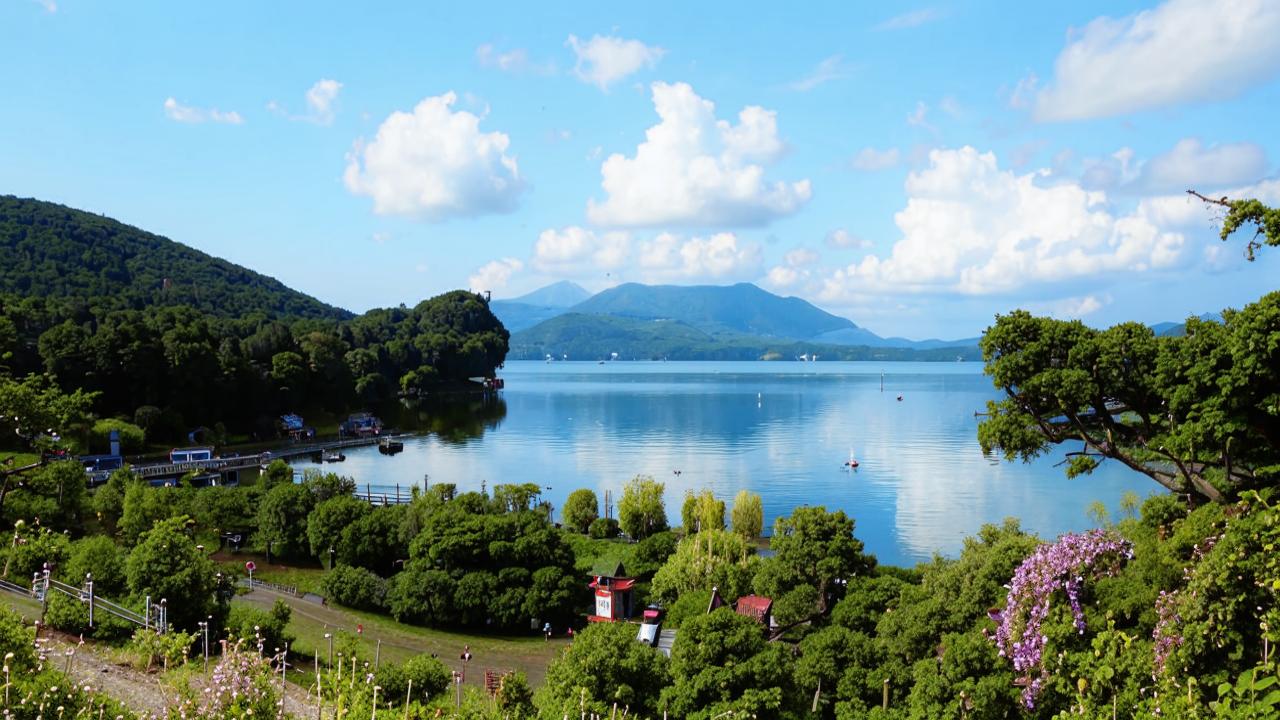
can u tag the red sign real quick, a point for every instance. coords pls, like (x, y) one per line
(250, 566)
(359, 628)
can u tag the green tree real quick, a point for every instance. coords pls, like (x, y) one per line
(641, 511)
(132, 438)
(603, 666)
(815, 553)
(712, 558)
(326, 523)
(701, 511)
(282, 519)
(355, 587)
(580, 509)
(54, 495)
(748, 514)
(167, 565)
(721, 663)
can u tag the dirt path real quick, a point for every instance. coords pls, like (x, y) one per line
(143, 692)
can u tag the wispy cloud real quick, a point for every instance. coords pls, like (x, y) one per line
(829, 69)
(515, 60)
(915, 18)
(322, 99)
(49, 5)
(178, 112)
(603, 60)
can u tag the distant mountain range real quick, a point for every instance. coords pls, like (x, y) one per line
(695, 322)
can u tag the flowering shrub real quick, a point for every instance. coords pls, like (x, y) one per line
(241, 687)
(1063, 565)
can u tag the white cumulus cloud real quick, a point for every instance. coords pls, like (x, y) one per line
(693, 169)
(494, 275)
(719, 257)
(1181, 51)
(971, 227)
(577, 250)
(842, 239)
(435, 163)
(178, 112)
(604, 60)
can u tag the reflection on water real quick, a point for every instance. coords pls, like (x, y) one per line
(783, 430)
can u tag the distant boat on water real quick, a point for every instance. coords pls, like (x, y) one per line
(852, 462)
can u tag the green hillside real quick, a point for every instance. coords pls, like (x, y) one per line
(49, 250)
(591, 337)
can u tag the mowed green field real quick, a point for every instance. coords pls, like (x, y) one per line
(310, 621)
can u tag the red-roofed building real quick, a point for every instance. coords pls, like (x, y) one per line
(612, 591)
(754, 606)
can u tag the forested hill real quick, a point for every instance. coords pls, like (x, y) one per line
(49, 250)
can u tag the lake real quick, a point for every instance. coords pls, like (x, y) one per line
(783, 430)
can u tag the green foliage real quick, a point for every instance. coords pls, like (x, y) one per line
(166, 565)
(721, 663)
(484, 564)
(330, 518)
(34, 408)
(748, 514)
(1251, 211)
(641, 511)
(54, 496)
(815, 554)
(195, 340)
(430, 677)
(604, 529)
(166, 650)
(712, 558)
(108, 499)
(255, 626)
(282, 519)
(1186, 411)
(31, 548)
(102, 557)
(580, 509)
(604, 665)
(132, 438)
(701, 511)
(144, 506)
(355, 587)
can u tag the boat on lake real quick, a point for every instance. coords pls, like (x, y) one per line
(332, 456)
(390, 446)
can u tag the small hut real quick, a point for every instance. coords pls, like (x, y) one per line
(756, 607)
(612, 589)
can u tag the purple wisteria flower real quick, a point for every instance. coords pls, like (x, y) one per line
(1063, 565)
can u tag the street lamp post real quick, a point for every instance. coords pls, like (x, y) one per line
(204, 630)
(329, 637)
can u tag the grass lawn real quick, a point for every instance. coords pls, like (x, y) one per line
(310, 621)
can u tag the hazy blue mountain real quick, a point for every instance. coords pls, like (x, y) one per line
(742, 308)
(599, 337)
(1176, 329)
(541, 304)
(562, 294)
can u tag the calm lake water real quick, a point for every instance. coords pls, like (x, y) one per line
(783, 430)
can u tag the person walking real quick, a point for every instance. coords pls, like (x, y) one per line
(546, 631)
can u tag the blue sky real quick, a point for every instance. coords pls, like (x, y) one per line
(914, 167)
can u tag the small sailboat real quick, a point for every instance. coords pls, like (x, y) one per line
(852, 462)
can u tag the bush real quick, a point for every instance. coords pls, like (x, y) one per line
(102, 557)
(355, 587)
(132, 438)
(250, 623)
(429, 676)
(603, 529)
(72, 616)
